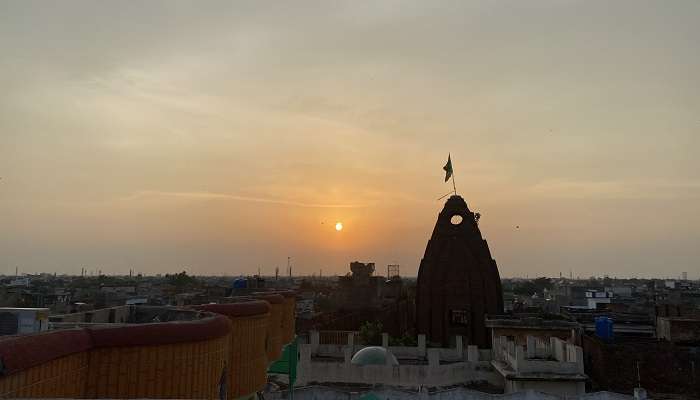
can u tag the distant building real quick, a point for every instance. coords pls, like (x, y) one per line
(621, 291)
(658, 366)
(360, 289)
(20, 282)
(679, 330)
(305, 308)
(19, 321)
(594, 298)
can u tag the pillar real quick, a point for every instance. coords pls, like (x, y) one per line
(640, 394)
(459, 346)
(472, 353)
(531, 347)
(385, 340)
(315, 341)
(579, 358)
(433, 357)
(347, 353)
(421, 345)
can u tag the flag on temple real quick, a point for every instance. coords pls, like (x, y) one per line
(448, 168)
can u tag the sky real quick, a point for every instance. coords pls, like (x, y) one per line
(219, 137)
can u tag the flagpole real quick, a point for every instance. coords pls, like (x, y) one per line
(453, 181)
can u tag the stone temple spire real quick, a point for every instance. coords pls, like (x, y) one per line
(458, 280)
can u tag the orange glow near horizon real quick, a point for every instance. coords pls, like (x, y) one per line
(228, 138)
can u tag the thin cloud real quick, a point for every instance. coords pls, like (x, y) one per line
(616, 189)
(226, 196)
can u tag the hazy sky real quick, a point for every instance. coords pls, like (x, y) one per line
(225, 136)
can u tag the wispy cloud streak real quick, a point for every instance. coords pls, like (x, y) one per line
(227, 196)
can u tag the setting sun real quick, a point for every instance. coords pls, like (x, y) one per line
(339, 226)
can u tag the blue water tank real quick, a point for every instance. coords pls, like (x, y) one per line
(240, 283)
(604, 328)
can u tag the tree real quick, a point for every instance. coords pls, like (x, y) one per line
(405, 340)
(180, 280)
(371, 333)
(528, 288)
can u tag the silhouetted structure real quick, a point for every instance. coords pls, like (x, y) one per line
(458, 281)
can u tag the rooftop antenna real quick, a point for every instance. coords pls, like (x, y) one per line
(639, 378)
(289, 266)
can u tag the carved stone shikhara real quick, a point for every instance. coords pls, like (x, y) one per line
(458, 280)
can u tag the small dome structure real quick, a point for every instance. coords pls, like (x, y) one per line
(373, 355)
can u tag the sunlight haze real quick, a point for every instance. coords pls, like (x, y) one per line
(223, 137)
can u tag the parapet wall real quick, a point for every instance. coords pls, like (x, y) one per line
(459, 393)
(183, 359)
(214, 350)
(418, 366)
(51, 364)
(248, 356)
(288, 317)
(275, 340)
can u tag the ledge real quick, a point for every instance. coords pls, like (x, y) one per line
(272, 298)
(242, 309)
(210, 327)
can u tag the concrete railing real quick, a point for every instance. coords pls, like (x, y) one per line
(420, 366)
(555, 356)
(332, 393)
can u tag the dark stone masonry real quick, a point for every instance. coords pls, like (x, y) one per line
(458, 280)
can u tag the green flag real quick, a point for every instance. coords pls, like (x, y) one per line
(448, 169)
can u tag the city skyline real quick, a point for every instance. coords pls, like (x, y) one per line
(227, 137)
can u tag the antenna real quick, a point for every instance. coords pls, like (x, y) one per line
(639, 378)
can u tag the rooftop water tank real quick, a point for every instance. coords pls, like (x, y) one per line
(604, 328)
(240, 283)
